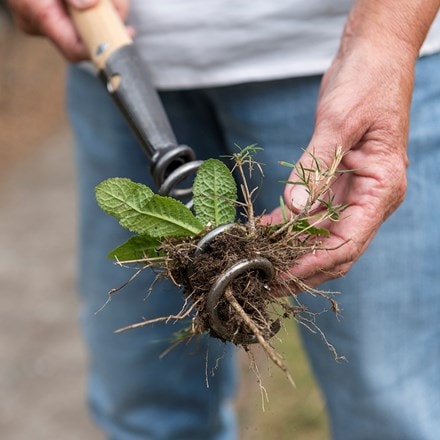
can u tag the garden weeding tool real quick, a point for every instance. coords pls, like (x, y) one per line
(127, 79)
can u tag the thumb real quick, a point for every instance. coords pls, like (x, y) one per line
(313, 174)
(273, 218)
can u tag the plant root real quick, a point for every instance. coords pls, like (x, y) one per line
(270, 351)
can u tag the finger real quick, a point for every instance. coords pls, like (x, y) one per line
(276, 217)
(347, 241)
(342, 132)
(57, 25)
(49, 18)
(311, 177)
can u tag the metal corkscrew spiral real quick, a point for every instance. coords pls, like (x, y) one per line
(265, 272)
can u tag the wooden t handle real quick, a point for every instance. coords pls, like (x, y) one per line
(101, 30)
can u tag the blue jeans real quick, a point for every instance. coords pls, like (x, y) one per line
(388, 389)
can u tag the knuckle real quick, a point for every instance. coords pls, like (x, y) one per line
(338, 271)
(390, 186)
(399, 184)
(401, 190)
(31, 17)
(43, 15)
(350, 256)
(342, 269)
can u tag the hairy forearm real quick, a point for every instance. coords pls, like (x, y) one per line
(390, 25)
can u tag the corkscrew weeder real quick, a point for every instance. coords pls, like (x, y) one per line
(128, 81)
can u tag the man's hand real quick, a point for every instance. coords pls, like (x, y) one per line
(50, 18)
(364, 106)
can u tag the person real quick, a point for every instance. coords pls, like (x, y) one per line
(288, 76)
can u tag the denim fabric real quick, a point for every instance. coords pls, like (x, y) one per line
(389, 333)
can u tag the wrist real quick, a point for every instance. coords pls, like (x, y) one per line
(389, 28)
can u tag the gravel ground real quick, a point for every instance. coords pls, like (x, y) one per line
(42, 359)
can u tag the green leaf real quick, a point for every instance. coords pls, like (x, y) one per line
(121, 197)
(287, 164)
(136, 248)
(247, 152)
(215, 193)
(283, 209)
(303, 225)
(140, 210)
(163, 217)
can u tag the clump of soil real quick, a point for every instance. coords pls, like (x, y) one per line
(197, 273)
(251, 307)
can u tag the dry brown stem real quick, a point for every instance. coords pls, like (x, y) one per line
(270, 351)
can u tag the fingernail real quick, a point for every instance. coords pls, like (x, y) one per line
(299, 197)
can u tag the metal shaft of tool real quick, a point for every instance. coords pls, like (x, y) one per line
(140, 103)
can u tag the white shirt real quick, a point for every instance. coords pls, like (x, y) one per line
(201, 43)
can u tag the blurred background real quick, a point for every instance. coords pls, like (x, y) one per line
(42, 359)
